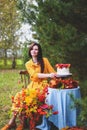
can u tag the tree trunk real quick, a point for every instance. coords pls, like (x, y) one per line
(13, 63)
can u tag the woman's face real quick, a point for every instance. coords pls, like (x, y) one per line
(34, 51)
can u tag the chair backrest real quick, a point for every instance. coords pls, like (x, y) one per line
(24, 77)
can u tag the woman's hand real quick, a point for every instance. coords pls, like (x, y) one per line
(53, 75)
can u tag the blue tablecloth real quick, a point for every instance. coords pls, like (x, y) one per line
(62, 102)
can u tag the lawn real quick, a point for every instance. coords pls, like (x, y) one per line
(9, 85)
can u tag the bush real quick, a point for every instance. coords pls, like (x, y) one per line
(25, 54)
(82, 119)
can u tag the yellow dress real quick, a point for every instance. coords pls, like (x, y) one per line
(35, 82)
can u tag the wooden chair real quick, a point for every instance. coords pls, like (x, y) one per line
(24, 77)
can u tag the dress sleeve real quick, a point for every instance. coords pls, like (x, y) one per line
(48, 66)
(33, 71)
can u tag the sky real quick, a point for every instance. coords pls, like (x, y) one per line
(26, 33)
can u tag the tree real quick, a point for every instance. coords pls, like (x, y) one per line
(61, 27)
(9, 25)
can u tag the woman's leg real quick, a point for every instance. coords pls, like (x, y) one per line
(23, 122)
(11, 123)
(12, 120)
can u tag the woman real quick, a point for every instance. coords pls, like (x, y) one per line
(39, 70)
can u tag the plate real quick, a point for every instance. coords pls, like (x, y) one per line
(64, 75)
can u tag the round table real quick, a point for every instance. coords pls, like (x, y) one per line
(62, 102)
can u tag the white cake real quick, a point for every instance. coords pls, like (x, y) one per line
(63, 69)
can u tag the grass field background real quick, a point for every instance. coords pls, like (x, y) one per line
(9, 85)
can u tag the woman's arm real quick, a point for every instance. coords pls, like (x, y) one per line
(49, 70)
(35, 72)
(48, 67)
(51, 75)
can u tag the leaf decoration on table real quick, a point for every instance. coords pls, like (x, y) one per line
(63, 83)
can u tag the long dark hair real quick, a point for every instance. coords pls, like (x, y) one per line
(39, 56)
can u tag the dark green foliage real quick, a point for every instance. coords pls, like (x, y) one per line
(81, 105)
(25, 53)
(82, 119)
(61, 29)
(83, 87)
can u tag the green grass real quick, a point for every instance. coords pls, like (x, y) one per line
(8, 87)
